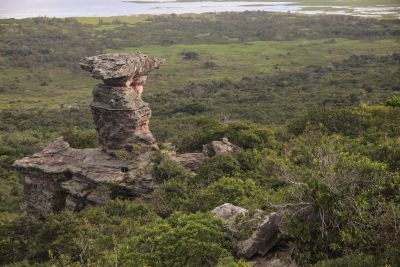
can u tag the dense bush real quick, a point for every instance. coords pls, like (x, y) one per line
(347, 200)
(181, 240)
(239, 192)
(336, 167)
(79, 138)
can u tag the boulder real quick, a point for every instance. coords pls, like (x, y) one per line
(216, 148)
(190, 161)
(265, 229)
(229, 212)
(264, 237)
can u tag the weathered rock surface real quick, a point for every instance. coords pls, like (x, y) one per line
(262, 239)
(278, 260)
(116, 68)
(60, 176)
(216, 148)
(120, 115)
(190, 161)
(121, 118)
(228, 211)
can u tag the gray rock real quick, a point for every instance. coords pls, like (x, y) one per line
(117, 67)
(228, 211)
(190, 161)
(42, 194)
(219, 148)
(120, 115)
(264, 236)
(275, 261)
(121, 118)
(60, 176)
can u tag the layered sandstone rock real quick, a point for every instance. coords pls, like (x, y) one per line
(120, 114)
(63, 177)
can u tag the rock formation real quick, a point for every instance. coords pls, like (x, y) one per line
(262, 238)
(60, 176)
(216, 148)
(120, 114)
(191, 161)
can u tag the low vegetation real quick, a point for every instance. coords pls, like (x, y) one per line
(316, 117)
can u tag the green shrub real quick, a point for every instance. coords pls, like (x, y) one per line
(249, 135)
(81, 138)
(358, 260)
(228, 189)
(166, 169)
(200, 131)
(346, 204)
(17, 237)
(176, 193)
(212, 169)
(394, 101)
(180, 240)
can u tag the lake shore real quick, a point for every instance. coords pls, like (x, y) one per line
(20, 9)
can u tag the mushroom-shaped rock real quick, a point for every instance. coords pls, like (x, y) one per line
(117, 68)
(63, 177)
(120, 115)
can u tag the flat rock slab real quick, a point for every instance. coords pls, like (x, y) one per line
(58, 157)
(119, 66)
(60, 176)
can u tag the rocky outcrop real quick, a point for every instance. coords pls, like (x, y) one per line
(118, 69)
(264, 237)
(120, 115)
(63, 177)
(229, 212)
(216, 148)
(189, 161)
(60, 176)
(265, 229)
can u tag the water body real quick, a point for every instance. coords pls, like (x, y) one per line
(96, 8)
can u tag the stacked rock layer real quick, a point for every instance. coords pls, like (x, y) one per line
(63, 177)
(120, 114)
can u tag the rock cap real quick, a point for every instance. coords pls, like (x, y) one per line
(109, 67)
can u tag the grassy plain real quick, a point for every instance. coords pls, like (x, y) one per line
(235, 60)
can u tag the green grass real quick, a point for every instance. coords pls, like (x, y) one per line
(126, 19)
(247, 59)
(233, 61)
